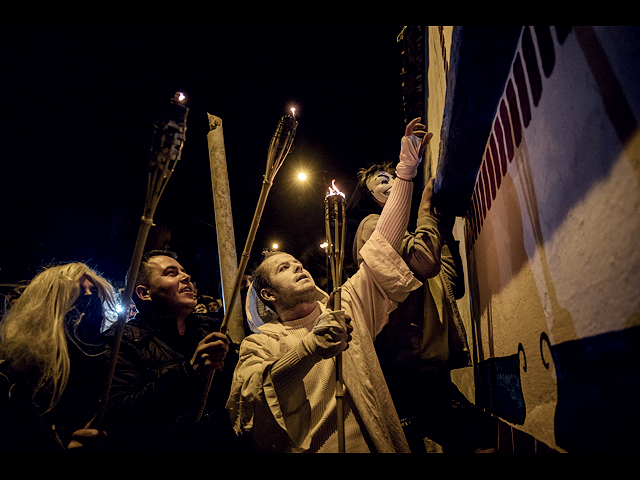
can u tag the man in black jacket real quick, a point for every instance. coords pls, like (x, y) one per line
(166, 356)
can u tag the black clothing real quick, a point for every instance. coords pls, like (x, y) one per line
(24, 427)
(155, 392)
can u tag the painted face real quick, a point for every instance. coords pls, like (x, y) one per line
(170, 288)
(291, 282)
(380, 185)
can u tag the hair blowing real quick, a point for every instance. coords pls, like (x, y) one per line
(32, 334)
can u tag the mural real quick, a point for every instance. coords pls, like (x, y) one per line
(500, 387)
(536, 150)
(563, 140)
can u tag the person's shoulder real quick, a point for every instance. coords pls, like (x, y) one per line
(370, 219)
(366, 228)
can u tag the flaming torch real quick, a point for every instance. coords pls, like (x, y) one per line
(166, 150)
(279, 148)
(335, 223)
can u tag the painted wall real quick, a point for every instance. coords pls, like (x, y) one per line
(551, 239)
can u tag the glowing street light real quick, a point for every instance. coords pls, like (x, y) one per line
(275, 246)
(302, 176)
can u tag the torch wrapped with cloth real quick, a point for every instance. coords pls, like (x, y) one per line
(335, 224)
(166, 150)
(279, 148)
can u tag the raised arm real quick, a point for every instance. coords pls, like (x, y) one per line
(422, 248)
(395, 214)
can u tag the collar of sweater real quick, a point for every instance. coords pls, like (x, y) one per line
(275, 328)
(309, 321)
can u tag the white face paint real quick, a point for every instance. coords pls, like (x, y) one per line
(380, 185)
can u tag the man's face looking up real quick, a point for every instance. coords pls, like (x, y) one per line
(170, 288)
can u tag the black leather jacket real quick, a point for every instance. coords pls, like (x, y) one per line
(155, 392)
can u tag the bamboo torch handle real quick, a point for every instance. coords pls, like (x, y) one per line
(279, 147)
(339, 386)
(338, 306)
(334, 224)
(167, 143)
(143, 233)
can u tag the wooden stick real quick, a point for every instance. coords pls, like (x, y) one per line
(266, 186)
(279, 148)
(143, 232)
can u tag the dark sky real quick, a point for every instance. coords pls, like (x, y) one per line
(79, 104)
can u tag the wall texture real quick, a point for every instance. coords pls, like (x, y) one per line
(550, 238)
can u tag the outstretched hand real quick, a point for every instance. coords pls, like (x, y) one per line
(419, 130)
(412, 149)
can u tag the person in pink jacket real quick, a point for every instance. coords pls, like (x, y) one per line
(283, 392)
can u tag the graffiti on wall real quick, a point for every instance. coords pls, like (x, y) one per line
(597, 387)
(514, 115)
(500, 386)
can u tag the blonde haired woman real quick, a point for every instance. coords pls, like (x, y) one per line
(52, 358)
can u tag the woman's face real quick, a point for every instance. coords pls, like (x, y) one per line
(380, 184)
(86, 286)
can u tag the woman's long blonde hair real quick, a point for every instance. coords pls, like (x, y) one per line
(32, 334)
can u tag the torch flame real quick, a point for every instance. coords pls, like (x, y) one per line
(334, 190)
(293, 111)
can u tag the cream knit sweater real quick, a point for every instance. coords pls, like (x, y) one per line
(284, 394)
(319, 379)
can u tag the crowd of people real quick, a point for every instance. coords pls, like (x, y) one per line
(397, 331)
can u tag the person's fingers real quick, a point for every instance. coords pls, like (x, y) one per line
(411, 126)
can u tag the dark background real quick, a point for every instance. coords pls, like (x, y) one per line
(78, 108)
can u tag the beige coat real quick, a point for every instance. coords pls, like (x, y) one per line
(368, 298)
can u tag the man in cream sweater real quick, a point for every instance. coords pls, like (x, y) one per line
(283, 393)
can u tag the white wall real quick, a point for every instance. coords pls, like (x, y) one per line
(557, 251)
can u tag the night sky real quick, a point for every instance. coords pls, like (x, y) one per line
(79, 104)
